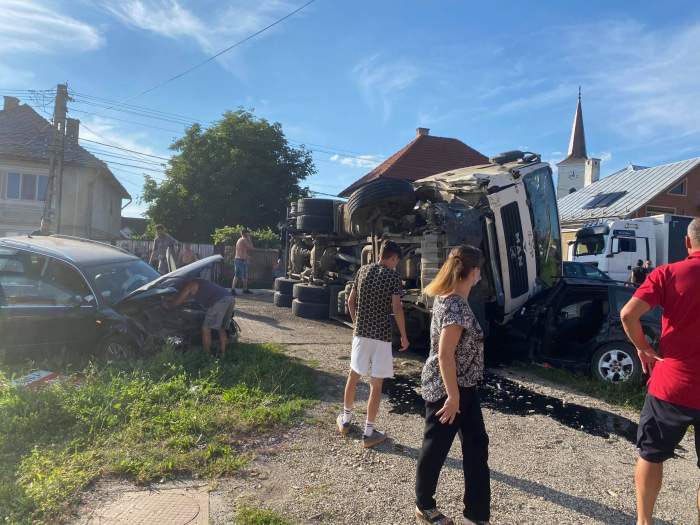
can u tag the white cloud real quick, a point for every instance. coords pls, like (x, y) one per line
(31, 25)
(604, 156)
(359, 161)
(210, 27)
(104, 129)
(381, 81)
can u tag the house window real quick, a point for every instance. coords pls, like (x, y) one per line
(26, 187)
(658, 210)
(679, 190)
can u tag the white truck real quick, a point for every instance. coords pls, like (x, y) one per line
(615, 245)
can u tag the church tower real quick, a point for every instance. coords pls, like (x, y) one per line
(576, 170)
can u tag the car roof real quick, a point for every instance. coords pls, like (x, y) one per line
(81, 252)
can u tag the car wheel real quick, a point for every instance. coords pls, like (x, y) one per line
(322, 207)
(116, 347)
(282, 300)
(308, 293)
(616, 363)
(309, 310)
(315, 223)
(285, 285)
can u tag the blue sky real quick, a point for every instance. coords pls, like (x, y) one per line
(358, 77)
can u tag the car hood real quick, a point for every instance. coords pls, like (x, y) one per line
(166, 281)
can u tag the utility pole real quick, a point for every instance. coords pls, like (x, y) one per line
(54, 188)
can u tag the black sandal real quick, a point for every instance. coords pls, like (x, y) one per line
(432, 517)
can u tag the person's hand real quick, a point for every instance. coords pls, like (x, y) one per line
(404, 343)
(648, 358)
(449, 411)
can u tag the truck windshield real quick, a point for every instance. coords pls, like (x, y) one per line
(590, 245)
(545, 222)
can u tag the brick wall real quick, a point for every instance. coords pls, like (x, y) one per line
(676, 204)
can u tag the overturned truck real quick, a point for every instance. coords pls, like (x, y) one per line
(507, 208)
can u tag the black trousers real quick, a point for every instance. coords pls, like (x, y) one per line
(437, 441)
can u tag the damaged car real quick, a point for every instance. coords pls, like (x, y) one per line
(577, 325)
(66, 294)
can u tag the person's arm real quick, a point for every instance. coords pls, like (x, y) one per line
(631, 316)
(397, 308)
(352, 304)
(187, 291)
(153, 252)
(449, 337)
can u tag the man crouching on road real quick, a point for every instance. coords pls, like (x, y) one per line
(219, 304)
(673, 400)
(374, 297)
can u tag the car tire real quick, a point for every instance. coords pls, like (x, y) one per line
(315, 223)
(284, 285)
(322, 207)
(616, 362)
(282, 300)
(309, 310)
(384, 195)
(116, 347)
(308, 293)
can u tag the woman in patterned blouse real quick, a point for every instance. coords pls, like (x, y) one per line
(449, 383)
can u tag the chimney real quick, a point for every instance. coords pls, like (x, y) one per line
(72, 129)
(11, 103)
(422, 131)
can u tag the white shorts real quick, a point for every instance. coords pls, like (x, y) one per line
(372, 358)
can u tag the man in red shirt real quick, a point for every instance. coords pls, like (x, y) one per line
(673, 399)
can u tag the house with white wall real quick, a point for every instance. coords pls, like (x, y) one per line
(92, 195)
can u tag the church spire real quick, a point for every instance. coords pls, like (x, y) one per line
(577, 144)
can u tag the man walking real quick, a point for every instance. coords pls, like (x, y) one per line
(375, 296)
(241, 262)
(159, 251)
(673, 399)
(219, 304)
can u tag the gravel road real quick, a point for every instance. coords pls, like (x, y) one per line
(552, 462)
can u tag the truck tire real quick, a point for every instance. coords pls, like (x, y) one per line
(315, 223)
(284, 285)
(309, 310)
(385, 195)
(616, 362)
(323, 207)
(282, 300)
(308, 293)
(342, 304)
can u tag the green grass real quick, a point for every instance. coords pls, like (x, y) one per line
(172, 414)
(253, 516)
(628, 395)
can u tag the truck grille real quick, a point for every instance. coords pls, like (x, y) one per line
(517, 261)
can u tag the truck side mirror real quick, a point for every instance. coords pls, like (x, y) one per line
(615, 246)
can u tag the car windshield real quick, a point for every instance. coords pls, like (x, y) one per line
(115, 281)
(586, 271)
(545, 222)
(590, 245)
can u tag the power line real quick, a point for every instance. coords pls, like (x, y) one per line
(223, 51)
(126, 157)
(122, 148)
(71, 110)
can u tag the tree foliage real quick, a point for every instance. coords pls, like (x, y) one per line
(262, 237)
(241, 170)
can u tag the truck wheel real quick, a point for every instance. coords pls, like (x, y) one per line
(284, 285)
(308, 293)
(315, 223)
(323, 207)
(342, 304)
(309, 310)
(385, 195)
(616, 362)
(282, 300)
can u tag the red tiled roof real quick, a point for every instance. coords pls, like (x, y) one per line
(423, 156)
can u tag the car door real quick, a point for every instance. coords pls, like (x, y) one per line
(45, 304)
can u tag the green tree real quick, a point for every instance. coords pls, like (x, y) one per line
(241, 170)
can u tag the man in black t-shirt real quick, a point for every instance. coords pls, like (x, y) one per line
(375, 297)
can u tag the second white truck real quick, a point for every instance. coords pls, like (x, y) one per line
(615, 245)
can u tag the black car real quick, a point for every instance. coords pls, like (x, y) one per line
(63, 293)
(577, 325)
(581, 270)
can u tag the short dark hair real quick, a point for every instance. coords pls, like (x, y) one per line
(245, 230)
(160, 227)
(389, 249)
(640, 262)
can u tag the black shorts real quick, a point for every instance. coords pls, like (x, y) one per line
(662, 426)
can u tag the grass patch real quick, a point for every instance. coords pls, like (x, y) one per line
(247, 515)
(174, 413)
(628, 395)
